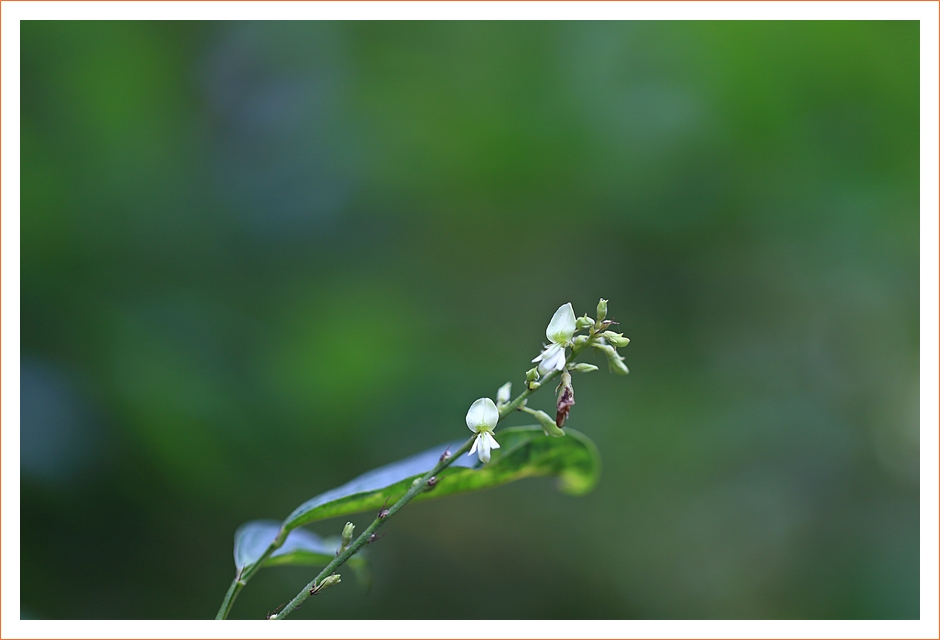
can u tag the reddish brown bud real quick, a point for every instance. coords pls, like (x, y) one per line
(565, 400)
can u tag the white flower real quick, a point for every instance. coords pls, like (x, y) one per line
(482, 418)
(559, 333)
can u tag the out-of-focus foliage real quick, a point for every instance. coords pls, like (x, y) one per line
(302, 547)
(259, 259)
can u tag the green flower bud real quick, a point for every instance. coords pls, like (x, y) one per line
(582, 367)
(579, 341)
(547, 422)
(331, 580)
(348, 532)
(614, 360)
(616, 339)
(530, 378)
(601, 310)
(584, 322)
(328, 581)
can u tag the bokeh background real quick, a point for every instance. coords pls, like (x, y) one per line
(259, 259)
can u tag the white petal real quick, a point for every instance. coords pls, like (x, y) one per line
(484, 451)
(483, 413)
(558, 361)
(490, 440)
(563, 325)
(474, 447)
(553, 359)
(547, 353)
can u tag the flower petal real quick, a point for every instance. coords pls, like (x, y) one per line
(562, 327)
(473, 449)
(558, 360)
(553, 359)
(483, 415)
(490, 440)
(484, 451)
(547, 353)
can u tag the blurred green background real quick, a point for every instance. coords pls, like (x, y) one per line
(259, 259)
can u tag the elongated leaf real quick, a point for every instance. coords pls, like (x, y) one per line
(302, 547)
(525, 452)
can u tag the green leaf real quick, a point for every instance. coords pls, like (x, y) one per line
(524, 452)
(302, 547)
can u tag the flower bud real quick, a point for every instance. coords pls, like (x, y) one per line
(530, 378)
(331, 580)
(502, 396)
(584, 322)
(328, 581)
(579, 341)
(601, 310)
(582, 367)
(348, 532)
(565, 399)
(616, 339)
(614, 360)
(548, 424)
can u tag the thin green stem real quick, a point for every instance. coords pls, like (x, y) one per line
(229, 599)
(242, 577)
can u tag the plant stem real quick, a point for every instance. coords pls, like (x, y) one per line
(229, 599)
(421, 484)
(241, 579)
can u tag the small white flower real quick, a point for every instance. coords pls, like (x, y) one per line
(482, 418)
(559, 333)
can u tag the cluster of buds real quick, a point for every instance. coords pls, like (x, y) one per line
(604, 340)
(561, 335)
